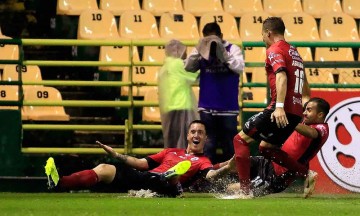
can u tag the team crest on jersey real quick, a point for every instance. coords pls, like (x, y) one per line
(340, 155)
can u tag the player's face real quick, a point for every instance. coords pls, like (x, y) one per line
(310, 113)
(265, 36)
(196, 138)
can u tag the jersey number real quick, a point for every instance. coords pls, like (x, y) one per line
(299, 81)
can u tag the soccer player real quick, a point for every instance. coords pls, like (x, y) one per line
(163, 173)
(303, 144)
(272, 126)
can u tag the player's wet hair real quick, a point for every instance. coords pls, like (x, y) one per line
(197, 122)
(275, 25)
(211, 29)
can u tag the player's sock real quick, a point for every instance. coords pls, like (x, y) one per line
(82, 179)
(242, 160)
(282, 158)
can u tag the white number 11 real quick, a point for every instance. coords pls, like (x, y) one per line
(299, 81)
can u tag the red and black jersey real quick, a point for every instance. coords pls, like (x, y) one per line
(282, 56)
(302, 148)
(169, 157)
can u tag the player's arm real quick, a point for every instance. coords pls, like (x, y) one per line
(140, 164)
(306, 91)
(224, 168)
(307, 131)
(281, 87)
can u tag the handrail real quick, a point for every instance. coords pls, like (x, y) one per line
(130, 103)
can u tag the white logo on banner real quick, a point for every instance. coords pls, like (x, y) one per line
(340, 155)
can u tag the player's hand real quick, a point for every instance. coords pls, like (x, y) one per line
(279, 116)
(232, 164)
(108, 149)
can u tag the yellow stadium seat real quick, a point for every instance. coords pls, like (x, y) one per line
(74, 7)
(281, 7)
(97, 24)
(320, 76)
(336, 27)
(117, 7)
(255, 74)
(255, 95)
(349, 76)
(138, 24)
(250, 30)
(226, 22)
(158, 7)
(151, 114)
(8, 51)
(44, 113)
(9, 93)
(178, 25)
(300, 27)
(352, 8)
(140, 76)
(29, 73)
(199, 7)
(318, 8)
(239, 7)
(116, 54)
(153, 54)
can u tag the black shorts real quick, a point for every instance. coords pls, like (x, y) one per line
(260, 127)
(263, 178)
(128, 178)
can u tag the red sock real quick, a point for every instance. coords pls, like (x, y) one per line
(82, 179)
(282, 158)
(242, 160)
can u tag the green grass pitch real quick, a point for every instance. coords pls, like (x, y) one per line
(192, 204)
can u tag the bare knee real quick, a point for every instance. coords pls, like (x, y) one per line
(105, 172)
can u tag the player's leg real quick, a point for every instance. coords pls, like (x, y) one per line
(309, 184)
(211, 143)
(242, 150)
(227, 129)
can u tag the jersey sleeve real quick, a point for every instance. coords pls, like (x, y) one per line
(158, 157)
(206, 165)
(277, 60)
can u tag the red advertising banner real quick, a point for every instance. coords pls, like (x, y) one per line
(338, 162)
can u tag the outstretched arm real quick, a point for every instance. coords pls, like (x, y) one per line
(224, 169)
(140, 164)
(307, 131)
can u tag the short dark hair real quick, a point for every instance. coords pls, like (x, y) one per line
(212, 28)
(197, 122)
(274, 24)
(321, 104)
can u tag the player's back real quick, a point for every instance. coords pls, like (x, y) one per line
(281, 56)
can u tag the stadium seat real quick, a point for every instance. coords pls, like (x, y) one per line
(117, 7)
(29, 73)
(239, 7)
(158, 7)
(116, 54)
(320, 76)
(151, 114)
(296, 26)
(318, 8)
(140, 76)
(74, 7)
(9, 93)
(250, 30)
(281, 7)
(97, 24)
(178, 25)
(255, 95)
(255, 74)
(138, 24)
(349, 76)
(336, 27)
(44, 113)
(153, 54)
(199, 7)
(8, 51)
(226, 22)
(352, 8)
